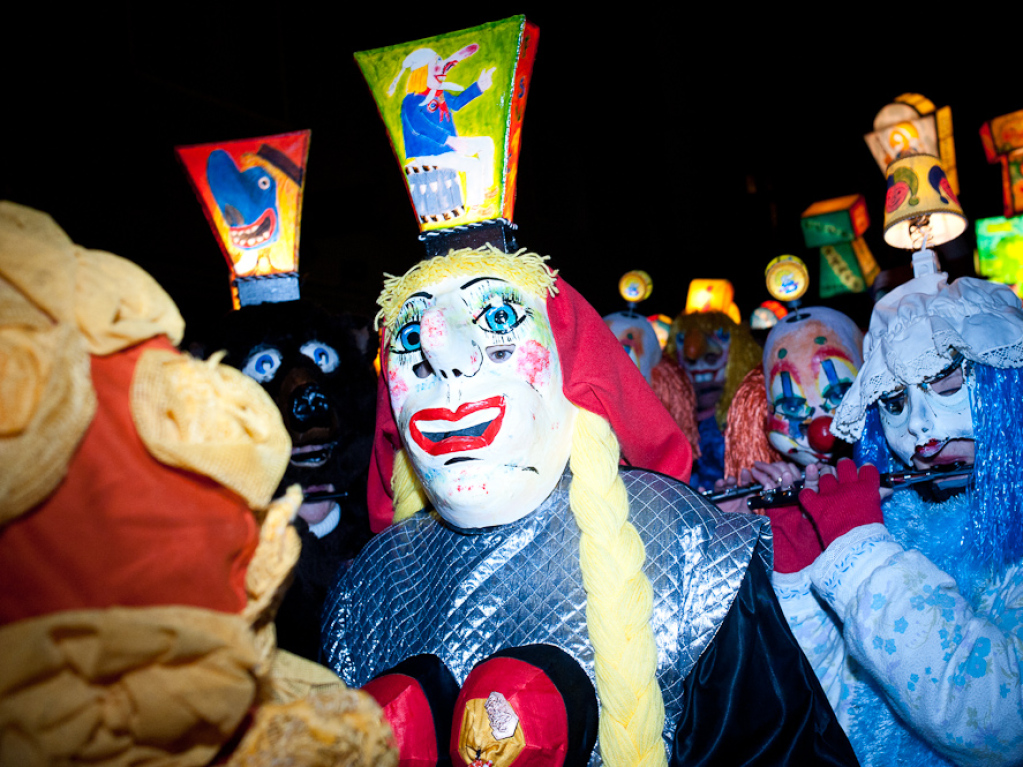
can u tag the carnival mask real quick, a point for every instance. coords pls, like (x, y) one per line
(930, 423)
(810, 360)
(476, 389)
(704, 356)
(638, 338)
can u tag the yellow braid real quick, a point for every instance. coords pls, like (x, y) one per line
(619, 601)
(409, 496)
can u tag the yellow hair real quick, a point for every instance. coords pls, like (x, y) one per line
(619, 600)
(527, 270)
(744, 353)
(416, 81)
(409, 495)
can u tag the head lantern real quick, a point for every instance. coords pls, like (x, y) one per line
(251, 192)
(637, 334)
(495, 371)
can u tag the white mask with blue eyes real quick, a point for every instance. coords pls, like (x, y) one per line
(476, 390)
(930, 422)
(262, 363)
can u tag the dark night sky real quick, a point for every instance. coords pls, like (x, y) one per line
(682, 144)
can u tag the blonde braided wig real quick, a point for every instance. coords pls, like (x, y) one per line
(619, 595)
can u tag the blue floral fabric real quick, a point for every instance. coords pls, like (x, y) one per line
(916, 642)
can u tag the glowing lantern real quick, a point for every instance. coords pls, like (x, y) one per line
(453, 107)
(1002, 138)
(835, 226)
(830, 222)
(787, 278)
(912, 125)
(635, 286)
(251, 193)
(662, 326)
(766, 315)
(1000, 250)
(712, 296)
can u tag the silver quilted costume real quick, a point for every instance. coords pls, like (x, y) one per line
(425, 587)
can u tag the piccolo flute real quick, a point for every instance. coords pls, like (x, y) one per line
(316, 497)
(759, 497)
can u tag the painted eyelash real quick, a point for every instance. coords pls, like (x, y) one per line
(410, 312)
(484, 294)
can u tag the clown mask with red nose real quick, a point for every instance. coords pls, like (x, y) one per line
(810, 360)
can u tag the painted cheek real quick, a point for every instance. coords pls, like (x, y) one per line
(397, 388)
(533, 363)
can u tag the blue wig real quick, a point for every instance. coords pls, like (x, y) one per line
(996, 525)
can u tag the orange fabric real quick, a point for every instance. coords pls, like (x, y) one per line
(746, 433)
(124, 529)
(673, 387)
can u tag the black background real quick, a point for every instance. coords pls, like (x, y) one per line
(683, 142)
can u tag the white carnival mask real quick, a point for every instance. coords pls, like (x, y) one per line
(810, 361)
(475, 384)
(930, 423)
(638, 339)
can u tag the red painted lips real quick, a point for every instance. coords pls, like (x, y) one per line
(440, 442)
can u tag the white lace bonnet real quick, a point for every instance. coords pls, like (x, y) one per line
(914, 330)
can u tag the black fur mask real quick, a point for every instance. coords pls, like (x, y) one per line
(318, 368)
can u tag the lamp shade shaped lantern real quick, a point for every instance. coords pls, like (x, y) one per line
(712, 295)
(453, 107)
(920, 204)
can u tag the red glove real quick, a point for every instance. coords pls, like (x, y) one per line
(795, 541)
(841, 504)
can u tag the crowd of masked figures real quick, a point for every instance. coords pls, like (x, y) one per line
(535, 536)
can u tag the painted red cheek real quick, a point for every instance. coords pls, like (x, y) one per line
(533, 363)
(774, 423)
(396, 386)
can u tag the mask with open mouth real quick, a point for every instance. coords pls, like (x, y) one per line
(476, 389)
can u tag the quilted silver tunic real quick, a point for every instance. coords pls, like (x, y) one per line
(424, 586)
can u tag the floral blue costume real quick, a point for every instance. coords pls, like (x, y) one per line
(936, 634)
(915, 626)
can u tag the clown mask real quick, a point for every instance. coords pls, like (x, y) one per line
(475, 385)
(810, 360)
(704, 356)
(638, 338)
(930, 423)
